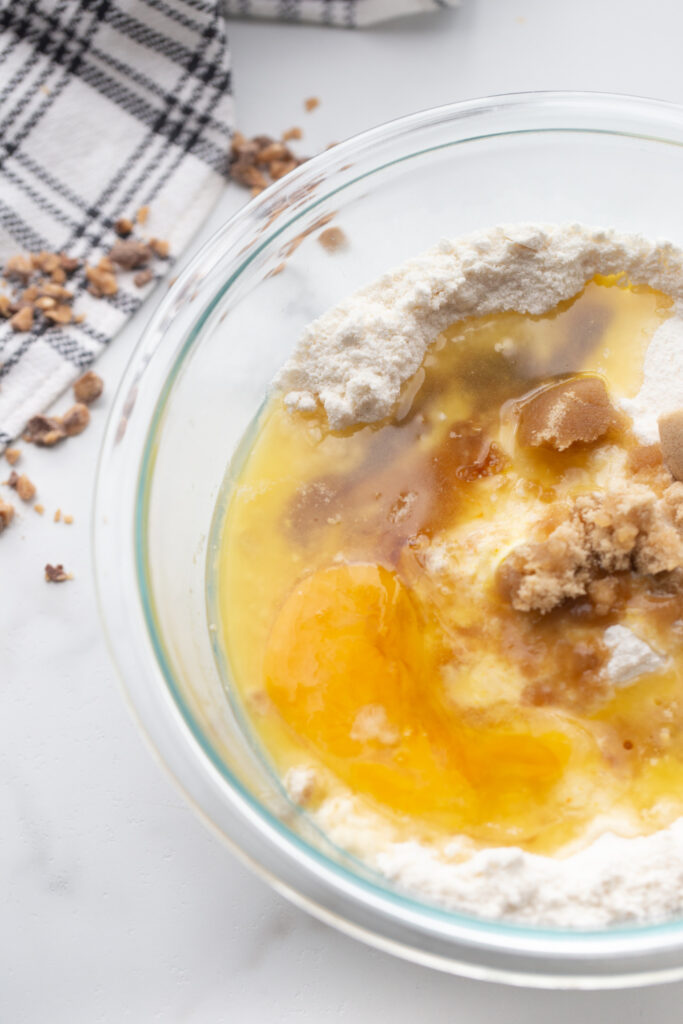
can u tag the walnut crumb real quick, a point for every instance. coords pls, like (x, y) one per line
(123, 227)
(60, 314)
(160, 247)
(311, 103)
(68, 520)
(44, 431)
(292, 134)
(39, 508)
(88, 387)
(333, 239)
(22, 319)
(22, 485)
(56, 573)
(142, 215)
(58, 516)
(101, 279)
(129, 254)
(12, 455)
(76, 419)
(142, 278)
(6, 514)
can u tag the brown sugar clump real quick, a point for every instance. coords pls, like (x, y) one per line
(562, 414)
(6, 514)
(625, 530)
(671, 438)
(88, 387)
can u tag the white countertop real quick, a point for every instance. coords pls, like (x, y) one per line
(115, 903)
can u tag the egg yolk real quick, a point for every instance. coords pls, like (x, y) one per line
(354, 672)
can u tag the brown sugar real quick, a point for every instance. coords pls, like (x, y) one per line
(671, 438)
(559, 416)
(625, 530)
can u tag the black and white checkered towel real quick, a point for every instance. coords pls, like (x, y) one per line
(107, 106)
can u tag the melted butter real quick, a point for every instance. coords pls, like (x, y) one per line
(363, 627)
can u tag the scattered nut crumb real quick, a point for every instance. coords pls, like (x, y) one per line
(56, 574)
(88, 387)
(142, 278)
(159, 247)
(6, 514)
(142, 214)
(58, 516)
(60, 314)
(292, 134)
(22, 485)
(39, 508)
(22, 319)
(5, 306)
(253, 160)
(44, 431)
(12, 455)
(19, 267)
(311, 103)
(101, 280)
(76, 419)
(123, 227)
(130, 254)
(68, 520)
(333, 239)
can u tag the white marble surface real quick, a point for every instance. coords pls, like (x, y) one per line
(115, 903)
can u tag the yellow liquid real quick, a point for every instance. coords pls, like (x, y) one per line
(416, 687)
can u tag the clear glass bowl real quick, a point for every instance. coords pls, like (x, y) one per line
(194, 384)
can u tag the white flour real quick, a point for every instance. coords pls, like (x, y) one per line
(353, 361)
(355, 358)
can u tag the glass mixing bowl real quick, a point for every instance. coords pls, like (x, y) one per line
(195, 383)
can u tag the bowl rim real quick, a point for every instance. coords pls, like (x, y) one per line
(561, 951)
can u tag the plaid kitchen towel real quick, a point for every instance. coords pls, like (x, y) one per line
(108, 107)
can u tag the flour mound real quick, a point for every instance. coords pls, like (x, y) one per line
(355, 358)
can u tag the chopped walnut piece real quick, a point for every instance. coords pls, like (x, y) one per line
(559, 416)
(142, 215)
(68, 263)
(671, 438)
(12, 455)
(6, 514)
(25, 488)
(160, 247)
(58, 275)
(278, 168)
(6, 307)
(123, 227)
(129, 254)
(56, 573)
(55, 291)
(332, 239)
(45, 302)
(57, 518)
(76, 419)
(45, 261)
(22, 320)
(291, 134)
(246, 173)
(44, 431)
(68, 520)
(19, 267)
(273, 151)
(142, 278)
(88, 387)
(60, 314)
(101, 280)
(39, 508)
(311, 103)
